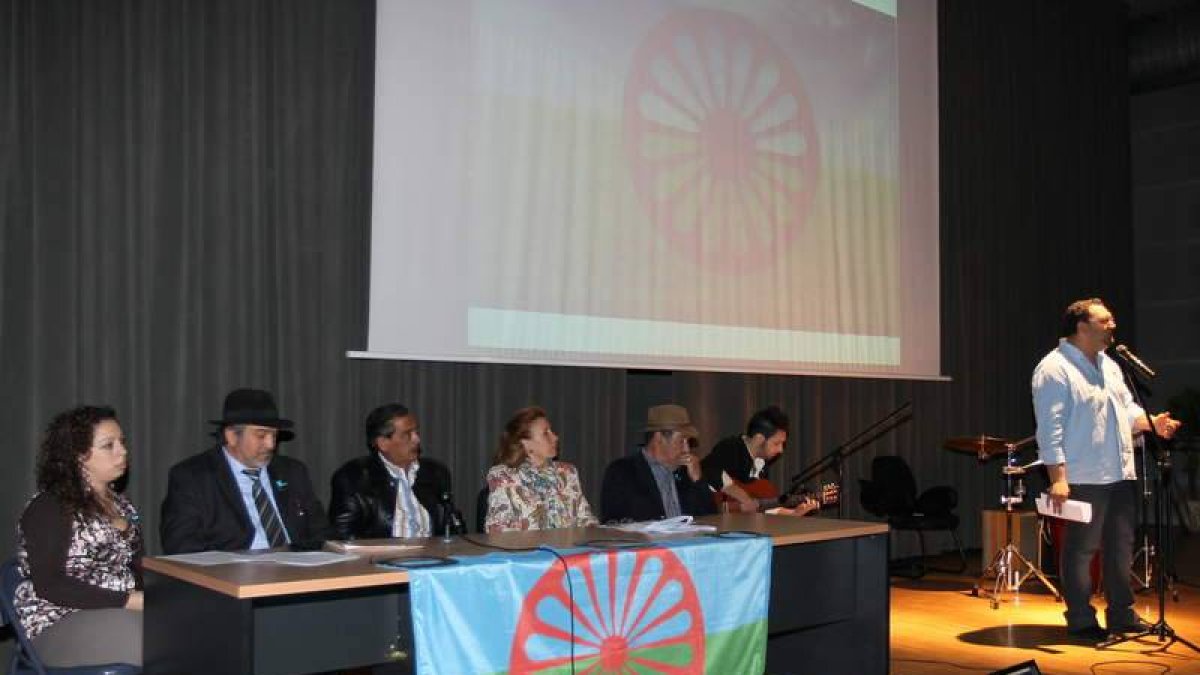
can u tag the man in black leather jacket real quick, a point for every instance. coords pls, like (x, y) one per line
(366, 490)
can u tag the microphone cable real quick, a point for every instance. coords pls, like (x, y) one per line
(485, 544)
(570, 596)
(566, 573)
(734, 534)
(615, 544)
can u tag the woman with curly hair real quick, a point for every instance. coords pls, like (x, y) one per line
(528, 489)
(79, 547)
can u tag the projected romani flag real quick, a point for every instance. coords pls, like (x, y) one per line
(677, 164)
(695, 606)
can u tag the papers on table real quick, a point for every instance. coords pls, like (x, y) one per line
(1080, 512)
(293, 558)
(371, 547)
(677, 525)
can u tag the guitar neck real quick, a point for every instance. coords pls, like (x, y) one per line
(828, 495)
(766, 497)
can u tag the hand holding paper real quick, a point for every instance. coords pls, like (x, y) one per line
(1072, 509)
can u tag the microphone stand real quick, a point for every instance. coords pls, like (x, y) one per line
(835, 459)
(451, 518)
(1162, 528)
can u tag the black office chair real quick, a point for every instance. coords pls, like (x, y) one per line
(25, 660)
(892, 493)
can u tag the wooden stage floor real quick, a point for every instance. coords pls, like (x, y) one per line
(938, 627)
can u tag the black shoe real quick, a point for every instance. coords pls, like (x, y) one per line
(1091, 634)
(1137, 626)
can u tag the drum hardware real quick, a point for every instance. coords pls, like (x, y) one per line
(1145, 556)
(1009, 565)
(983, 447)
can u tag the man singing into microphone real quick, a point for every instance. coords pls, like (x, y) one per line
(1086, 420)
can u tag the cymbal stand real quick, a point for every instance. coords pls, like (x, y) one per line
(1009, 565)
(1145, 553)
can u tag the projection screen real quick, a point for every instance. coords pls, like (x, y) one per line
(747, 186)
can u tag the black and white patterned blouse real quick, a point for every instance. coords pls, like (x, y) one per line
(71, 562)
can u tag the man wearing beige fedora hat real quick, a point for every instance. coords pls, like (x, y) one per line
(663, 478)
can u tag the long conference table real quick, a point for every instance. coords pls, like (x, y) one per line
(828, 604)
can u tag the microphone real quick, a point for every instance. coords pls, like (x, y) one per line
(450, 514)
(1134, 362)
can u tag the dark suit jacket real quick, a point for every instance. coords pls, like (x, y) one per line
(629, 491)
(204, 511)
(363, 501)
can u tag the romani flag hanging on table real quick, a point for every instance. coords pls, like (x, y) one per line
(686, 606)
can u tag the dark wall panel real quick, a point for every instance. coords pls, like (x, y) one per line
(1165, 133)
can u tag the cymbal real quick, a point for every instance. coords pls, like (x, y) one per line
(981, 446)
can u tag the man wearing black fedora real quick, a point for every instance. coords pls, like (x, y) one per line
(241, 494)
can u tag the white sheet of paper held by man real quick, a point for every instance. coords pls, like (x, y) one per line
(1072, 509)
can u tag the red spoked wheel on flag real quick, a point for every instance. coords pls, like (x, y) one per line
(720, 138)
(633, 612)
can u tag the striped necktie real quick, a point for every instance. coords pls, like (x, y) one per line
(266, 512)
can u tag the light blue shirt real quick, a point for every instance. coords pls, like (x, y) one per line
(246, 488)
(1085, 416)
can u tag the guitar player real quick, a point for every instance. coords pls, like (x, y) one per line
(737, 466)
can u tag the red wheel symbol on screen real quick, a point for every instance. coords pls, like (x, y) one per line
(634, 612)
(720, 138)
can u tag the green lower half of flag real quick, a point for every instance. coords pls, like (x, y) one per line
(741, 651)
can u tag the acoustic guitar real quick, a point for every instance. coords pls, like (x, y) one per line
(767, 496)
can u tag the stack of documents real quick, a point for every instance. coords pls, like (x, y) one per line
(677, 525)
(296, 558)
(371, 547)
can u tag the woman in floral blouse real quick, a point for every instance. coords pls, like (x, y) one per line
(528, 489)
(79, 547)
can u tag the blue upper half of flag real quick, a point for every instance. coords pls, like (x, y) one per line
(522, 612)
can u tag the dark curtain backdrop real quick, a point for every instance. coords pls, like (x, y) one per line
(186, 190)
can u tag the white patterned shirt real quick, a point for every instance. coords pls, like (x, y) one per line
(410, 519)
